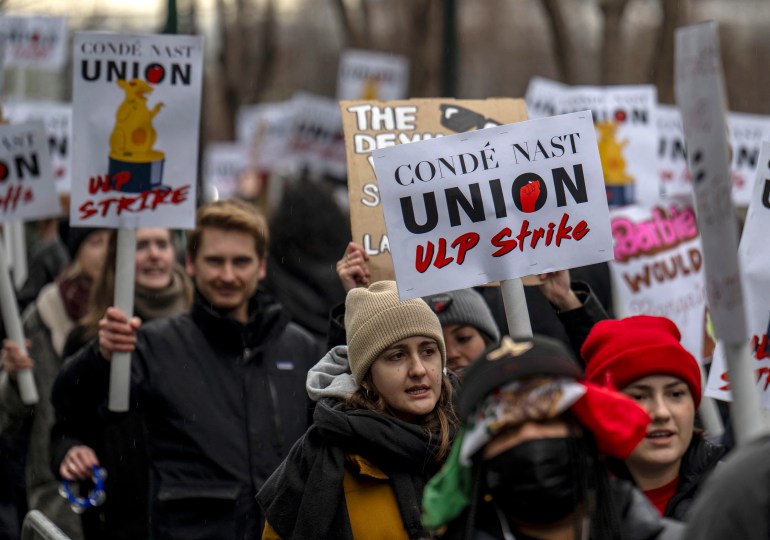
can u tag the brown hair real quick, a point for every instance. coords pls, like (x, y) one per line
(229, 215)
(441, 421)
(103, 290)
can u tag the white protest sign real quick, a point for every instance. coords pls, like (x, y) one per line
(223, 167)
(701, 99)
(674, 176)
(541, 96)
(746, 133)
(316, 140)
(494, 204)
(35, 42)
(57, 119)
(625, 129)
(372, 75)
(265, 130)
(27, 191)
(754, 259)
(136, 110)
(658, 268)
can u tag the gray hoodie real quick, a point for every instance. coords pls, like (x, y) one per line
(331, 376)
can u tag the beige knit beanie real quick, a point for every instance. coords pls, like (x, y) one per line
(375, 319)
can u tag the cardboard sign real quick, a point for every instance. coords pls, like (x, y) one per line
(700, 95)
(35, 42)
(658, 268)
(625, 130)
(379, 124)
(265, 130)
(746, 133)
(541, 96)
(754, 260)
(136, 111)
(223, 167)
(494, 204)
(57, 119)
(372, 75)
(27, 191)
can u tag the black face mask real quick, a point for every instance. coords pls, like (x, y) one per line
(534, 482)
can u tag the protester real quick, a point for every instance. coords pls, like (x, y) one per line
(734, 501)
(528, 462)
(221, 387)
(467, 325)
(642, 357)
(382, 426)
(47, 259)
(573, 306)
(161, 289)
(46, 324)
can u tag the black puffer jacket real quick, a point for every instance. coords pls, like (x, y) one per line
(223, 401)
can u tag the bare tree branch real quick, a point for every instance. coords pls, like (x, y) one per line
(562, 42)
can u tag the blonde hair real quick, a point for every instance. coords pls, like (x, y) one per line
(229, 215)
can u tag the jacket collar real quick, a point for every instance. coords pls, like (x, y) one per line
(267, 320)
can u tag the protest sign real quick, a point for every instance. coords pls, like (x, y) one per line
(264, 129)
(57, 119)
(494, 204)
(746, 133)
(35, 42)
(379, 124)
(658, 268)
(541, 96)
(136, 110)
(700, 94)
(673, 174)
(223, 167)
(316, 141)
(27, 191)
(754, 260)
(372, 75)
(625, 130)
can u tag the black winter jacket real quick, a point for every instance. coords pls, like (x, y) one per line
(698, 461)
(223, 402)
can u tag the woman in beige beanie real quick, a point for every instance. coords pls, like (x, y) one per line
(382, 426)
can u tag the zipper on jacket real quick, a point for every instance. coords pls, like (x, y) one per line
(276, 416)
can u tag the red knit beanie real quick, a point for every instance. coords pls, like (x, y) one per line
(619, 352)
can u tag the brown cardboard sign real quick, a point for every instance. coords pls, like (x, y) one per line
(369, 125)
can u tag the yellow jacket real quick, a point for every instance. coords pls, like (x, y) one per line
(371, 502)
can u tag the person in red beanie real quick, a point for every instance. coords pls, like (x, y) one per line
(642, 356)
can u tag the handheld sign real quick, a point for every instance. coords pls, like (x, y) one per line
(136, 112)
(28, 193)
(380, 124)
(372, 75)
(755, 268)
(701, 98)
(35, 42)
(57, 119)
(223, 167)
(494, 204)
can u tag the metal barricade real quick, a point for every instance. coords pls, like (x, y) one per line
(36, 527)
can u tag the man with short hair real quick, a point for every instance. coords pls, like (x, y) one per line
(222, 387)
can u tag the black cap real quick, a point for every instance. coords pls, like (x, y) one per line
(512, 360)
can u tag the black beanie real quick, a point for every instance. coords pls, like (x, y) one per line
(73, 237)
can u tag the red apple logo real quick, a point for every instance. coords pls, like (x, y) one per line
(620, 116)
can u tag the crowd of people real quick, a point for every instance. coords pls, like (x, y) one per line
(403, 419)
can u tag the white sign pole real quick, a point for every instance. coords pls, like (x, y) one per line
(13, 328)
(120, 368)
(701, 98)
(17, 242)
(516, 312)
(709, 414)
